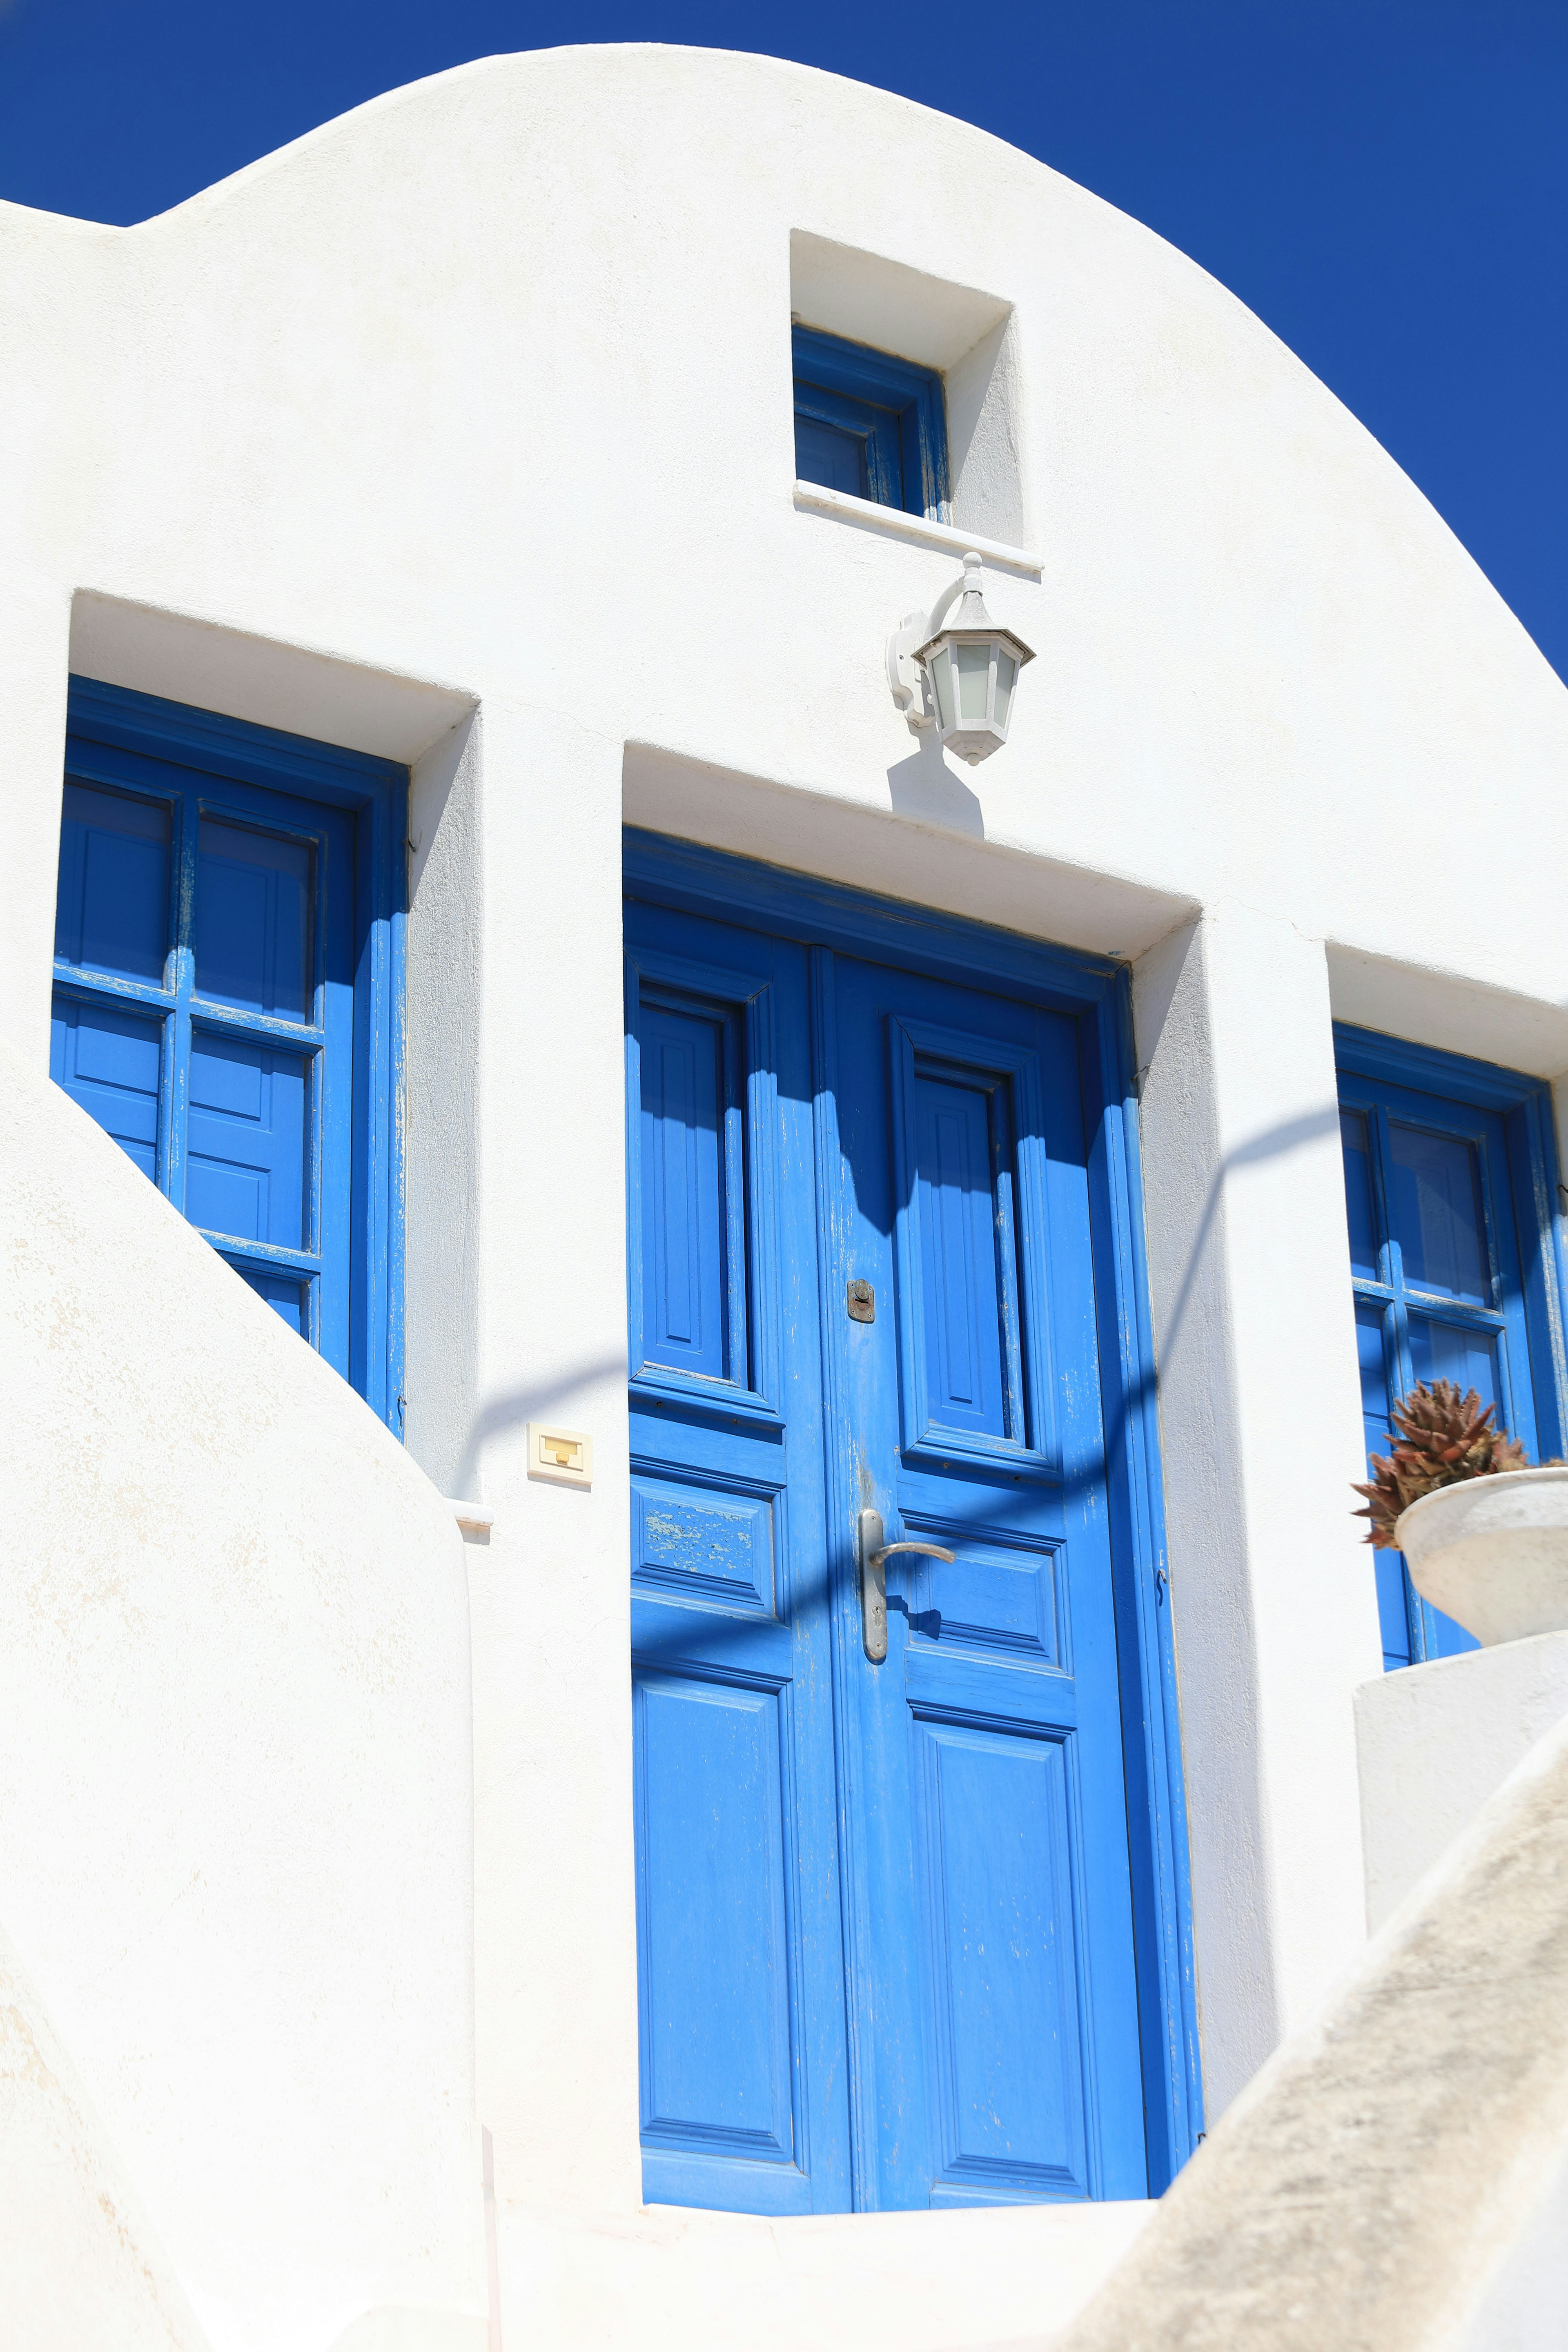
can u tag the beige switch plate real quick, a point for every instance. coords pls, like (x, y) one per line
(566, 1455)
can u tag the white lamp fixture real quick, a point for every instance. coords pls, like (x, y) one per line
(960, 676)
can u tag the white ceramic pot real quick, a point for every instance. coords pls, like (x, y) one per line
(1492, 1553)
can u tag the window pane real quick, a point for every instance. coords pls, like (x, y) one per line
(942, 671)
(108, 1062)
(1006, 671)
(111, 911)
(1447, 1351)
(245, 1168)
(1437, 1214)
(824, 454)
(974, 665)
(283, 1293)
(253, 919)
(1358, 1192)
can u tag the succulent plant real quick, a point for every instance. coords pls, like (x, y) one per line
(1440, 1437)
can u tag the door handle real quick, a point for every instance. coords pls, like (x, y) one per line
(874, 1580)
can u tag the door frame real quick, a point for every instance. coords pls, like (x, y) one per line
(375, 792)
(827, 917)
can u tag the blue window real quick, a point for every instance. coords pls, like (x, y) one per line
(869, 424)
(1450, 1193)
(227, 1000)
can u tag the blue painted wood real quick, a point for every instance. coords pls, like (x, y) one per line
(110, 1060)
(742, 1997)
(716, 2067)
(956, 1144)
(226, 912)
(991, 1090)
(958, 2004)
(1456, 1262)
(688, 1098)
(869, 423)
(1012, 2104)
(112, 909)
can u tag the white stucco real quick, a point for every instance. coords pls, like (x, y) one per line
(1435, 1741)
(235, 1761)
(460, 431)
(994, 2279)
(80, 2262)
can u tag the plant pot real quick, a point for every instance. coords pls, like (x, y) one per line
(1492, 1553)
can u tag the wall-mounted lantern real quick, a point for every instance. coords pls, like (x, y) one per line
(958, 676)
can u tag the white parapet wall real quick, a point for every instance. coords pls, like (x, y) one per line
(1396, 2178)
(236, 1812)
(1433, 1741)
(82, 2266)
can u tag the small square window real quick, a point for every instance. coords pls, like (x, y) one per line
(869, 424)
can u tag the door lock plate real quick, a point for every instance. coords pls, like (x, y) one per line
(862, 1302)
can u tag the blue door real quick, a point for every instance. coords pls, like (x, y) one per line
(1440, 1280)
(888, 1918)
(214, 1010)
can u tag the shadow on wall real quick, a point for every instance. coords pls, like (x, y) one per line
(924, 787)
(515, 1406)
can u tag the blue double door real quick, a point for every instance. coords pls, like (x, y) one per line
(885, 1921)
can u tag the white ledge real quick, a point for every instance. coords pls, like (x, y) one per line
(899, 525)
(480, 1517)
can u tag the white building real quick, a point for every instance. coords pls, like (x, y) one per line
(389, 529)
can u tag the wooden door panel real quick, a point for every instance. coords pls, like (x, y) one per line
(712, 1909)
(1003, 1953)
(698, 1540)
(999, 1594)
(110, 1062)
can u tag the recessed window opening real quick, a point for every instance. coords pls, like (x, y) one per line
(1451, 1170)
(227, 994)
(869, 424)
(938, 359)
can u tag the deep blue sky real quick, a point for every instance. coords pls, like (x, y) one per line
(1385, 181)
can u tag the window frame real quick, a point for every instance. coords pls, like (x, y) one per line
(1524, 1104)
(103, 720)
(906, 410)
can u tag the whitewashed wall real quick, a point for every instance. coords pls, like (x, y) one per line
(478, 400)
(236, 1848)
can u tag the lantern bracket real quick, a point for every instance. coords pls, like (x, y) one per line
(906, 673)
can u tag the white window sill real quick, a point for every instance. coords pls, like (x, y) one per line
(811, 498)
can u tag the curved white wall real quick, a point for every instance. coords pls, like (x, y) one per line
(487, 385)
(235, 1845)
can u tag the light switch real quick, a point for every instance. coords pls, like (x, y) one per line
(566, 1456)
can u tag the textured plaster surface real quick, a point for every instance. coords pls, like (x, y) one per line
(1393, 2180)
(1433, 1741)
(678, 2281)
(236, 1841)
(80, 2266)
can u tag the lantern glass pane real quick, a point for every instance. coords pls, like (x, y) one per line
(943, 674)
(1006, 671)
(974, 674)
